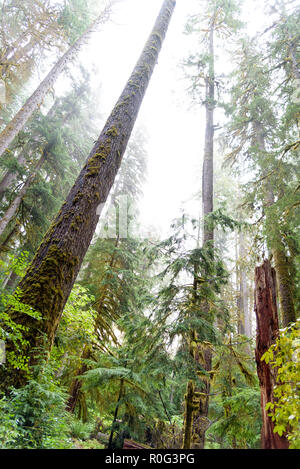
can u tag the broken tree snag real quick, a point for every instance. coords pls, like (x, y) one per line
(266, 334)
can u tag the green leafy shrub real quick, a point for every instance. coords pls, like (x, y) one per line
(284, 356)
(80, 430)
(9, 329)
(34, 416)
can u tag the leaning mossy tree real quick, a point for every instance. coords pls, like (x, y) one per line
(51, 275)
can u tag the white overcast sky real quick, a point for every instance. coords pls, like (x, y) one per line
(175, 131)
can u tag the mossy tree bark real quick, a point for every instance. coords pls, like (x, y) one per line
(267, 331)
(188, 415)
(51, 275)
(35, 100)
(285, 284)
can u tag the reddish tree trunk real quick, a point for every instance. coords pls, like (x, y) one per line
(266, 333)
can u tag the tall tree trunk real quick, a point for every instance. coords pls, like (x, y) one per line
(266, 334)
(14, 206)
(285, 284)
(77, 384)
(284, 280)
(208, 160)
(11, 175)
(19, 120)
(200, 420)
(240, 315)
(12, 281)
(51, 275)
(202, 356)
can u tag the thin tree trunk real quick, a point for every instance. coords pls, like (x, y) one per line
(14, 206)
(244, 326)
(11, 176)
(12, 55)
(285, 284)
(19, 120)
(240, 316)
(251, 306)
(77, 384)
(51, 275)
(5, 281)
(188, 415)
(267, 332)
(121, 392)
(4, 244)
(203, 356)
(200, 420)
(208, 161)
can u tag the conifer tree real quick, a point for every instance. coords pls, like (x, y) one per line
(34, 196)
(51, 275)
(35, 100)
(28, 29)
(256, 133)
(219, 21)
(110, 262)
